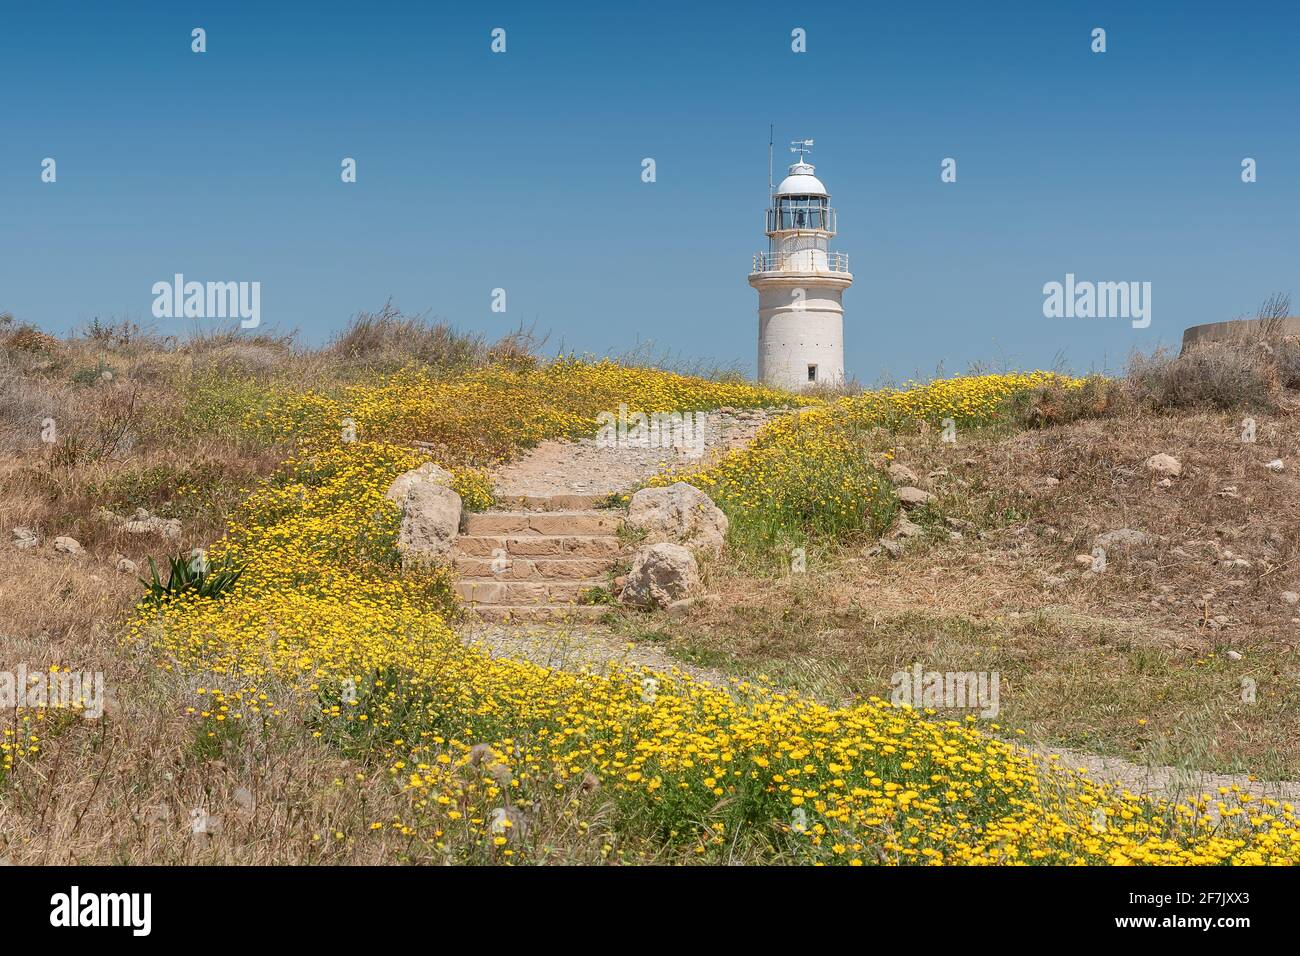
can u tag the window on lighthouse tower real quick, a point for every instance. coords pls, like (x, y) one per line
(812, 373)
(801, 212)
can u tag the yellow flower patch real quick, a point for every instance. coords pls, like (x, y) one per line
(653, 766)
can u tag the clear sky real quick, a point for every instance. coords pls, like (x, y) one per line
(522, 170)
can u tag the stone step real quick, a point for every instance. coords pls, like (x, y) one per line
(481, 593)
(537, 545)
(575, 502)
(531, 569)
(567, 523)
(537, 613)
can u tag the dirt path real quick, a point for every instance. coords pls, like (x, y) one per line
(588, 467)
(1167, 783)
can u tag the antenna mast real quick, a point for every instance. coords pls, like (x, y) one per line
(770, 185)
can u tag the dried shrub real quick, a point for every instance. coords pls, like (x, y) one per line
(1218, 375)
(1286, 359)
(1056, 403)
(27, 338)
(390, 339)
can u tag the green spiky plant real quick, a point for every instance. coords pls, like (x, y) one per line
(185, 574)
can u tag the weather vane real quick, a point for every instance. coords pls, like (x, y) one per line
(801, 146)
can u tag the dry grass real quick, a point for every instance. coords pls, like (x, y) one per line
(1251, 369)
(388, 339)
(122, 789)
(1084, 658)
(144, 421)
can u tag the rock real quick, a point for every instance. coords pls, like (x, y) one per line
(900, 474)
(142, 522)
(1234, 656)
(1165, 482)
(889, 547)
(1166, 465)
(426, 473)
(430, 513)
(678, 514)
(1124, 539)
(24, 538)
(906, 528)
(1290, 597)
(124, 565)
(1234, 564)
(961, 524)
(912, 497)
(661, 574)
(1275, 465)
(68, 545)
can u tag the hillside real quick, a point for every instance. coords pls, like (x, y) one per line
(309, 692)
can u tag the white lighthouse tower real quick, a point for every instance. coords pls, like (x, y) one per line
(800, 283)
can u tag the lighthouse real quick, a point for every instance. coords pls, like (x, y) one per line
(800, 284)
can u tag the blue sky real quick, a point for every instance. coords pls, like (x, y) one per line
(523, 170)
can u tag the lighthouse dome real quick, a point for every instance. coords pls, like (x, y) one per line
(801, 182)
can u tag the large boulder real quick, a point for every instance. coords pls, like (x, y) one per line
(661, 574)
(428, 473)
(680, 514)
(430, 514)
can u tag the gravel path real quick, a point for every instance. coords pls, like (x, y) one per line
(586, 467)
(1168, 783)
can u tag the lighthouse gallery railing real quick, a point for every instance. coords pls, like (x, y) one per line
(798, 261)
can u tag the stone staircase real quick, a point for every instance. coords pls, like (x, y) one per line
(531, 559)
